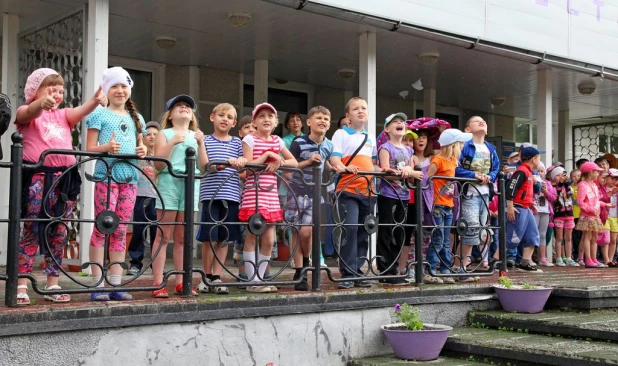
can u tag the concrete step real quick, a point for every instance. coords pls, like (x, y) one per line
(393, 361)
(525, 348)
(598, 324)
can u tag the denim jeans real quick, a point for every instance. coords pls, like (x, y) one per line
(474, 209)
(143, 212)
(440, 247)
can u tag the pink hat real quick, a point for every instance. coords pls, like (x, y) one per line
(34, 82)
(613, 173)
(262, 106)
(589, 166)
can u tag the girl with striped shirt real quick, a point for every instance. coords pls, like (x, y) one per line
(262, 148)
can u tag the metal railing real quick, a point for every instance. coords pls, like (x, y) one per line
(107, 222)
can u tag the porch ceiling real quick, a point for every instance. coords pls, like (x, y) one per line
(310, 48)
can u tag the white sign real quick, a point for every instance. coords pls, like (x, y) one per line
(582, 30)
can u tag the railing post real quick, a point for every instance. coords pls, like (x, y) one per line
(502, 219)
(12, 259)
(187, 261)
(418, 236)
(316, 248)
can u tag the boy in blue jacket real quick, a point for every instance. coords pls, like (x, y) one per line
(479, 160)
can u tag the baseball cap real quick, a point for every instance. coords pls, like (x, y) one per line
(153, 124)
(412, 133)
(589, 166)
(180, 98)
(525, 145)
(390, 118)
(513, 154)
(613, 172)
(453, 135)
(529, 152)
(262, 106)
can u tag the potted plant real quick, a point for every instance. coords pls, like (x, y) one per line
(521, 298)
(413, 340)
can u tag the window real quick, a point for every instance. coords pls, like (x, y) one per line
(525, 132)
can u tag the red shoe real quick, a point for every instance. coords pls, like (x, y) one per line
(162, 293)
(179, 290)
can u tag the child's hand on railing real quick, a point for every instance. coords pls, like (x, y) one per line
(351, 169)
(237, 163)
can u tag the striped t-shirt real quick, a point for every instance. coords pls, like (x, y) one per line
(345, 142)
(302, 149)
(216, 184)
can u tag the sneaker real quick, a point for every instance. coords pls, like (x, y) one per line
(581, 262)
(241, 277)
(345, 285)
(530, 266)
(410, 277)
(133, 271)
(395, 282)
(510, 263)
(448, 280)
(431, 280)
(258, 289)
(202, 288)
(302, 285)
(571, 263)
(545, 263)
(560, 263)
(363, 283)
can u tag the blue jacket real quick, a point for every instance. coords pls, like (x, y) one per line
(465, 160)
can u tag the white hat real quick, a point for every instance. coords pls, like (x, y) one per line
(113, 76)
(453, 135)
(556, 172)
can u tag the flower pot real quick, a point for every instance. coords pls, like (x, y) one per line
(520, 300)
(283, 252)
(420, 345)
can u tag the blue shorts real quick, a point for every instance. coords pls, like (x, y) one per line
(215, 211)
(522, 230)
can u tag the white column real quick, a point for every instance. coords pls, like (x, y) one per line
(10, 72)
(544, 113)
(491, 125)
(96, 57)
(565, 142)
(367, 76)
(429, 102)
(260, 79)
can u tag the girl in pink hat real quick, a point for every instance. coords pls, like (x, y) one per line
(45, 126)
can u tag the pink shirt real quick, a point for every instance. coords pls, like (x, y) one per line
(588, 199)
(50, 131)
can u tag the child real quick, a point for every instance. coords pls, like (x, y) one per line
(479, 160)
(612, 219)
(590, 206)
(144, 204)
(353, 151)
(179, 131)
(575, 177)
(307, 150)
(563, 218)
(543, 212)
(395, 156)
(262, 147)
(521, 226)
(5, 116)
(116, 129)
(603, 235)
(443, 165)
(43, 127)
(220, 195)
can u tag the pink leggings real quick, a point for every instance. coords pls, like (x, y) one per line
(122, 202)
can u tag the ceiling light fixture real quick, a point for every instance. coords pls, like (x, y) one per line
(346, 73)
(166, 42)
(586, 87)
(498, 101)
(429, 58)
(239, 20)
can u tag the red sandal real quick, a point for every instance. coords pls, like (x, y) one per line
(179, 290)
(162, 293)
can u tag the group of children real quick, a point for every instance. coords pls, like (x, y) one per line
(231, 194)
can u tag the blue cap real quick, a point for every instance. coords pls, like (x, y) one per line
(180, 98)
(529, 152)
(453, 135)
(390, 118)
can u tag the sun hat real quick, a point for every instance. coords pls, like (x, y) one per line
(180, 98)
(259, 107)
(34, 82)
(453, 135)
(113, 76)
(589, 166)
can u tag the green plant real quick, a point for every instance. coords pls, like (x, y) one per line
(409, 316)
(527, 286)
(505, 281)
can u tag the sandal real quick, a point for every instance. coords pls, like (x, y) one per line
(219, 290)
(22, 297)
(99, 296)
(179, 290)
(120, 296)
(161, 294)
(57, 297)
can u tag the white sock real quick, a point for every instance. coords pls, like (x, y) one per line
(96, 279)
(263, 260)
(114, 280)
(249, 258)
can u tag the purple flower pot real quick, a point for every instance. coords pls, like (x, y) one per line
(420, 345)
(519, 300)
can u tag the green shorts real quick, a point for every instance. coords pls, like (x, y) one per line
(172, 191)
